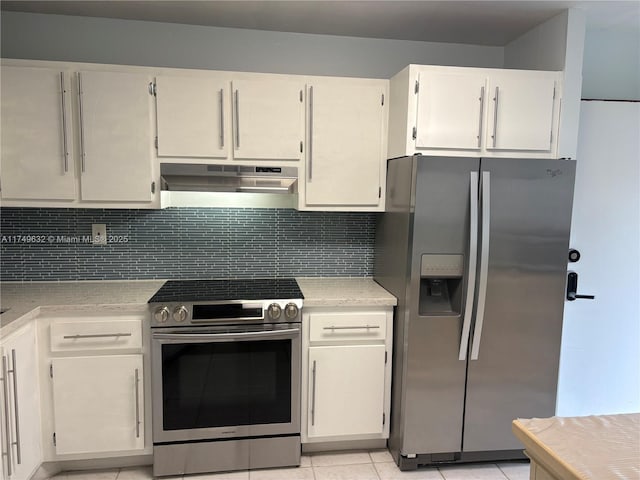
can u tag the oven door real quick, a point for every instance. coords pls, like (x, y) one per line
(225, 382)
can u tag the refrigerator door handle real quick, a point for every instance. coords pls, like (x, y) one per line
(485, 195)
(471, 269)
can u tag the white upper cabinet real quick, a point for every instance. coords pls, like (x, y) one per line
(268, 118)
(116, 137)
(460, 111)
(36, 160)
(193, 116)
(77, 139)
(521, 112)
(225, 116)
(449, 111)
(93, 136)
(346, 147)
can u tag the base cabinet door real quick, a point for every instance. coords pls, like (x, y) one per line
(346, 390)
(98, 403)
(36, 148)
(20, 406)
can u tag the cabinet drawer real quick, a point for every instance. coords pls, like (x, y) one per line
(347, 326)
(96, 335)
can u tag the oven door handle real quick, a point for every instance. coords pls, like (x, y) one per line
(227, 337)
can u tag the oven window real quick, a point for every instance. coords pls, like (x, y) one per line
(226, 384)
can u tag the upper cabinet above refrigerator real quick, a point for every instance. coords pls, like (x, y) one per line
(461, 111)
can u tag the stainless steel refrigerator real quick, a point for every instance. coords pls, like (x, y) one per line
(476, 251)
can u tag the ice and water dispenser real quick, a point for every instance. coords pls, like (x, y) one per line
(441, 282)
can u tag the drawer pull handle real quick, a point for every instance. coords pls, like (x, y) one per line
(333, 327)
(96, 335)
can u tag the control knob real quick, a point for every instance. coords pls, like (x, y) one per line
(274, 311)
(161, 314)
(291, 311)
(180, 314)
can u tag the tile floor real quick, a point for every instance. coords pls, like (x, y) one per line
(373, 465)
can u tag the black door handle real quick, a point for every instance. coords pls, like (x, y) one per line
(572, 288)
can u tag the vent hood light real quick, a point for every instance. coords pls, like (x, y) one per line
(196, 185)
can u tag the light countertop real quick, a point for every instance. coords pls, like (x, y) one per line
(338, 291)
(27, 300)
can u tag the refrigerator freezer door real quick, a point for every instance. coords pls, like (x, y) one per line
(515, 374)
(434, 377)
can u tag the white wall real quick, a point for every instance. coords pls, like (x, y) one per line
(556, 44)
(101, 40)
(611, 67)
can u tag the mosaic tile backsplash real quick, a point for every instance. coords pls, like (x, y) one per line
(53, 244)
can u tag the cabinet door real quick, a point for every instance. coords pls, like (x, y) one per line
(192, 117)
(36, 160)
(345, 153)
(268, 119)
(521, 110)
(116, 136)
(346, 390)
(19, 370)
(98, 403)
(450, 110)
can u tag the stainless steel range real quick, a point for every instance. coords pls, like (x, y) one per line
(225, 375)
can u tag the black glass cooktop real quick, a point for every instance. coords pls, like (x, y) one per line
(227, 289)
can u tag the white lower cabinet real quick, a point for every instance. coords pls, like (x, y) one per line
(93, 380)
(346, 374)
(20, 406)
(98, 403)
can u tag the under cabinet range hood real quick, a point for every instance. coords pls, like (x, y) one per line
(202, 185)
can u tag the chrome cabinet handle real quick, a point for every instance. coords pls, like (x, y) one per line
(484, 263)
(237, 117)
(480, 121)
(495, 117)
(221, 101)
(97, 335)
(310, 133)
(473, 259)
(313, 394)
(7, 424)
(83, 154)
(14, 372)
(355, 327)
(137, 394)
(65, 147)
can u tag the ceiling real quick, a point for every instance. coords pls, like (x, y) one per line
(453, 21)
